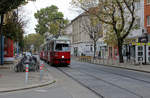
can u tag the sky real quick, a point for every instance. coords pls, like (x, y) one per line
(27, 11)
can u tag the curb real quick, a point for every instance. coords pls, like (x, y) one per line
(4, 67)
(125, 68)
(28, 87)
(120, 67)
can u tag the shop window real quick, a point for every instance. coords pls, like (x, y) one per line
(116, 52)
(140, 48)
(140, 53)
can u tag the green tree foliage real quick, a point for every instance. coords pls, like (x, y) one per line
(33, 39)
(7, 5)
(13, 29)
(118, 16)
(50, 20)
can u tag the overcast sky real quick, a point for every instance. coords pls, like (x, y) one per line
(29, 9)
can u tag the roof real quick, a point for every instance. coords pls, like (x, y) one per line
(82, 14)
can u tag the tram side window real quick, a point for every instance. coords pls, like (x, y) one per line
(62, 47)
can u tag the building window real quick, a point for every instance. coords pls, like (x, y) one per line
(138, 22)
(137, 4)
(148, 1)
(148, 20)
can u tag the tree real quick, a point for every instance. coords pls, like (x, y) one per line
(49, 20)
(93, 27)
(7, 5)
(117, 15)
(33, 39)
(13, 29)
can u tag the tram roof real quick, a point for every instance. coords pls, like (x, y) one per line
(59, 38)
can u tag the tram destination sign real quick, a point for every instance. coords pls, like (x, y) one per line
(63, 41)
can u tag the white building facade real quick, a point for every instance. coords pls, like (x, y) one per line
(81, 42)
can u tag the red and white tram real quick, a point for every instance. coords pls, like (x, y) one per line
(57, 51)
(42, 52)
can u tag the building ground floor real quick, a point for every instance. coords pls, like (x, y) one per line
(139, 53)
(8, 49)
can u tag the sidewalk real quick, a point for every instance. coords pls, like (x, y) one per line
(112, 63)
(12, 81)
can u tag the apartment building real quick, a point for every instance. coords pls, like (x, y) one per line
(147, 15)
(81, 42)
(68, 32)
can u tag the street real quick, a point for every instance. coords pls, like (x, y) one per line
(105, 47)
(84, 80)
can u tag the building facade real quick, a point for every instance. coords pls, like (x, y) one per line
(147, 15)
(81, 42)
(68, 32)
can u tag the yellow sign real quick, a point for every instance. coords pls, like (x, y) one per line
(141, 44)
(148, 44)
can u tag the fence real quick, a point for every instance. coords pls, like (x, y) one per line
(103, 61)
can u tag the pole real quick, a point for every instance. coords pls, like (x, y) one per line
(1, 41)
(27, 73)
(145, 52)
(41, 71)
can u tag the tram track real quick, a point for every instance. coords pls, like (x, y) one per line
(122, 75)
(100, 96)
(59, 69)
(100, 79)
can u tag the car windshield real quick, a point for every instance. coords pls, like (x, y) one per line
(62, 47)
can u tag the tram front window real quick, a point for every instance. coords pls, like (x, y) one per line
(62, 47)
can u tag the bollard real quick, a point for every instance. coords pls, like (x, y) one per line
(27, 73)
(41, 71)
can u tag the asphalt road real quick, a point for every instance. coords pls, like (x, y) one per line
(64, 87)
(110, 82)
(84, 80)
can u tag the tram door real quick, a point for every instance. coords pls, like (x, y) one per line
(140, 54)
(148, 54)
